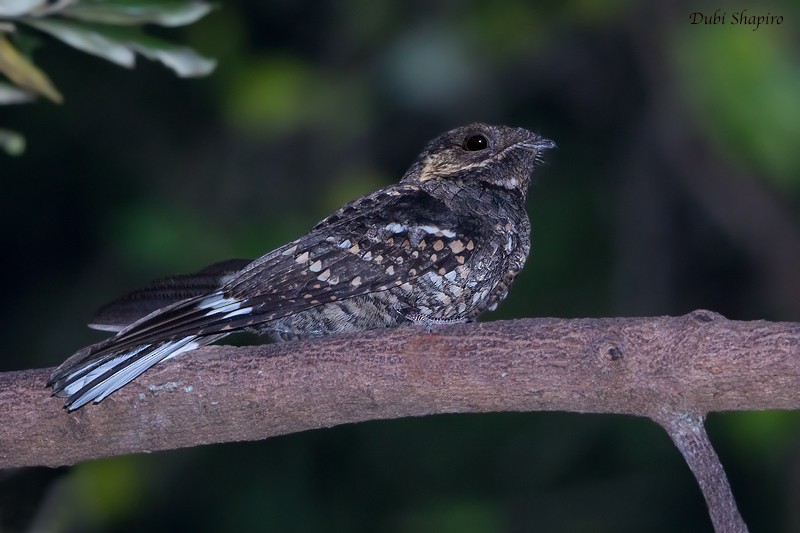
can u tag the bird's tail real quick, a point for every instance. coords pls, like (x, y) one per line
(98, 370)
(85, 377)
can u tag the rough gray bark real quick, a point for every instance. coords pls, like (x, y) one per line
(670, 369)
(691, 438)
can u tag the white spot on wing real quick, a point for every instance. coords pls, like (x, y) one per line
(107, 327)
(210, 301)
(219, 304)
(242, 311)
(394, 227)
(439, 232)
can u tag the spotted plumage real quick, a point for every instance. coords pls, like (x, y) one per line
(442, 245)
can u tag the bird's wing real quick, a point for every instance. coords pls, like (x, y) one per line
(381, 241)
(357, 252)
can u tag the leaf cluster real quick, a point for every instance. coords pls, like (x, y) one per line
(110, 29)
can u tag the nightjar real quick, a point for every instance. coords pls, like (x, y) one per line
(442, 245)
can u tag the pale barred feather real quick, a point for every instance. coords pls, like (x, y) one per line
(119, 372)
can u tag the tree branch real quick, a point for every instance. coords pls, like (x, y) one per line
(667, 368)
(691, 438)
(694, 364)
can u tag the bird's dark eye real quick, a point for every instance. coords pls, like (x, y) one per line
(475, 143)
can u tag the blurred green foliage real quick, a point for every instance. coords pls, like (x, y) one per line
(743, 86)
(675, 187)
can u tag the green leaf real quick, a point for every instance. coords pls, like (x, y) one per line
(24, 73)
(17, 8)
(14, 95)
(87, 39)
(12, 142)
(132, 12)
(118, 45)
(183, 60)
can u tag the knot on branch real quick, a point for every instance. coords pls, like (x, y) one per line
(705, 316)
(609, 351)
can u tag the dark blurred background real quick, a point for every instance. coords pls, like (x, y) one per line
(676, 186)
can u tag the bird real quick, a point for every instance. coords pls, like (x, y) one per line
(442, 245)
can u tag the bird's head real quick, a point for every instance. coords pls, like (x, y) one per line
(496, 155)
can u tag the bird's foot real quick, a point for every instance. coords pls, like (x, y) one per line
(431, 323)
